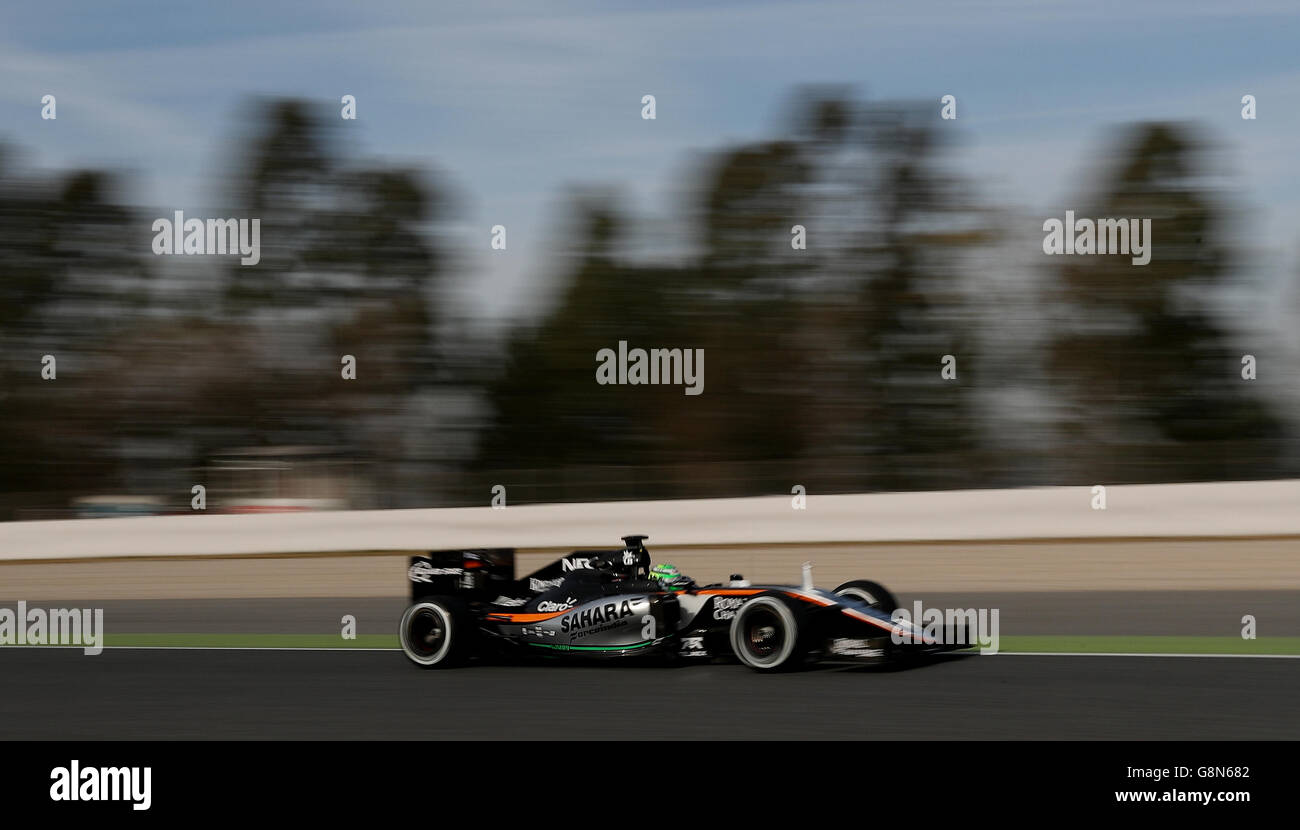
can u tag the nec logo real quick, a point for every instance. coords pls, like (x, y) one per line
(577, 564)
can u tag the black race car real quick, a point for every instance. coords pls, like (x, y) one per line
(603, 603)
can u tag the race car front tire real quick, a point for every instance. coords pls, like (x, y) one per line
(767, 636)
(437, 633)
(872, 593)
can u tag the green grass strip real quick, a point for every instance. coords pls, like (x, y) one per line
(1129, 644)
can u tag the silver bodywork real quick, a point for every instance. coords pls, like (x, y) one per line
(613, 623)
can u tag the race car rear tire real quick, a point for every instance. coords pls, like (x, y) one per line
(872, 593)
(767, 635)
(437, 633)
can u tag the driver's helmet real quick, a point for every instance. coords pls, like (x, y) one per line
(671, 578)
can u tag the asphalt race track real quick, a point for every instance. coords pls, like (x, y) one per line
(48, 693)
(1212, 613)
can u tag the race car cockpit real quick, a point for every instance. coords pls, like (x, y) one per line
(629, 569)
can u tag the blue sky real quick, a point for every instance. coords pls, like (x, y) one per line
(514, 101)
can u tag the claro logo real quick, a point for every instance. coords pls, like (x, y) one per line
(547, 605)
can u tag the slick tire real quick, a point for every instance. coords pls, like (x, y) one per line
(879, 598)
(872, 593)
(766, 634)
(437, 633)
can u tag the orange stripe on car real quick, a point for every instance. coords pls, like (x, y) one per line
(526, 618)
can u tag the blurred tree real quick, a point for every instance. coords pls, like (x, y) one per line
(811, 352)
(347, 250)
(73, 274)
(73, 265)
(924, 427)
(349, 267)
(286, 181)
(1150, 373)
(549, 410)
(29, 275)
(746, 308)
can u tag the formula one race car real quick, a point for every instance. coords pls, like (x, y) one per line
(468, 603)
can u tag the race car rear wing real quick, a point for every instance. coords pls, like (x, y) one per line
(479, 572)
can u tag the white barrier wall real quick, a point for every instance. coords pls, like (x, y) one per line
(1259, 508)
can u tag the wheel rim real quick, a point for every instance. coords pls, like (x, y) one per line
(426, 634)
(764, 634)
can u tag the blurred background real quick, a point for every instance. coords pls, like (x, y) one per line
(476, 367)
